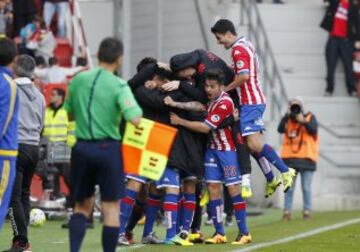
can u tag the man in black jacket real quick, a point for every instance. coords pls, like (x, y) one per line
(341, 21)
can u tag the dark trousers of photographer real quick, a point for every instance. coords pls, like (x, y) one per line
(20, 199)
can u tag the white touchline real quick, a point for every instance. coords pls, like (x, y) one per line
(130, 248)
(299, 236)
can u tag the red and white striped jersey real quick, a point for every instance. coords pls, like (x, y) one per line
(246, 61)
(218, 110)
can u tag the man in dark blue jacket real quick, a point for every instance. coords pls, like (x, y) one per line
(9, 106)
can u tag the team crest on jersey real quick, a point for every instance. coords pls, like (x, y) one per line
(215, 118)
(240, 64)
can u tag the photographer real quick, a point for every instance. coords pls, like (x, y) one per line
(300, 151)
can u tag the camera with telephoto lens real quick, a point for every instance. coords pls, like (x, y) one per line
(295, 109)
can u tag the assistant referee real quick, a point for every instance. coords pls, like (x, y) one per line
(97, 101)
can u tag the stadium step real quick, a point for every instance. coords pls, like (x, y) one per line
(312, 86)
(290, 17)
(334, 109)
(339, 134)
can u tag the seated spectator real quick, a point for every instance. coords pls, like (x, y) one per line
(55, 73)
(36, 40)
(56, 6)
(28, 30)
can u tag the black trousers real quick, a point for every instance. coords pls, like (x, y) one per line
(20, 198)
(196, 224)
(336, 47)
(242, 151)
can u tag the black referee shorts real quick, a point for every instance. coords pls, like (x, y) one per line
(97, 162)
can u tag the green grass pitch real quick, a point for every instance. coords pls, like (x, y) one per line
(265, 228)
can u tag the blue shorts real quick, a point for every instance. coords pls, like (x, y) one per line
(170, 178)
(141, 179)
(7, 178)
(93, 163)
(222, 167)
(251, 119)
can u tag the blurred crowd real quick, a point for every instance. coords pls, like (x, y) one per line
(35, 26)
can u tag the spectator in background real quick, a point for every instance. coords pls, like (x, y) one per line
(6, 17)
(41, 42)
(24, 12)
(300, 151)
(58, 129)
(31, 118)
(28, 30)
(55, 73)
(60, 7)
(36, 40)
(341, 21)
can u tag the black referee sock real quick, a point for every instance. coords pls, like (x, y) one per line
(109, 238)
(77, 229)
(137, 213)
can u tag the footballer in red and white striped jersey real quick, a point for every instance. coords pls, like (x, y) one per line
(245, 61)
(218, 110)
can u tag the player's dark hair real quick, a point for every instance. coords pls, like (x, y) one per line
(164, 74)
(7, 51)
(144, 62)
(215, 74)
(223, 26)
(110, 50)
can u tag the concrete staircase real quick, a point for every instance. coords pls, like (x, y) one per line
(299, 45)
